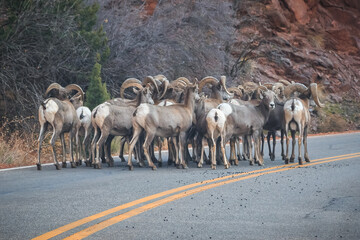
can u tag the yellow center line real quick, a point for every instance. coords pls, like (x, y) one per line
(85, 220)
(100, 226)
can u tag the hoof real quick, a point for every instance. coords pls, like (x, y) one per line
(184, 166)
(213, 167)
(170, 162)
(130, 167)
(251, 163)
(77, 163)
(286, 161)
(122, 159)
(103, 160)
(307, 159)
(153, 168)
(227, 166)
(272, 157)
(260, 164)
(73, 165)
(199, 165)
(239, 157)
(64, 165)
(57, 166)
(292, 159)
(160, 164)
(110, 164)
(87, 163)
(177, 166)
(300, 161)
(38, 166)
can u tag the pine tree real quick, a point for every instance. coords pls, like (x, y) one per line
(97, 92)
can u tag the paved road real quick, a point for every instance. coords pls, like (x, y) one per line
(318, 201)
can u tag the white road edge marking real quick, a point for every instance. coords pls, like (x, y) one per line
(48, 164)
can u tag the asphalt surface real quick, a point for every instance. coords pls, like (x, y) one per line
(319, 201)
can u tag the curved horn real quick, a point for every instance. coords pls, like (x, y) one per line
(263, 88)
(250, 85)
(314, 94)
(278, 88)
(268, 85)
(58, 87)
(285, 82)
(130, 82)
(295, 87)
(183, 79)
(207, 80)
(235, 91)
(166, 85)
(150, 80)
(161, 78)
(77, 88)
(223, 83)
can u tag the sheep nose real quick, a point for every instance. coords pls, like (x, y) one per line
(272, 105)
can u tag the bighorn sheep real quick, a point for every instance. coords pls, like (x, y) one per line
(248, 119)
(84, 128)
(59, 112)
(163, 121)
(218, 93)
(114, 120)
(297, 117)
(276, 119)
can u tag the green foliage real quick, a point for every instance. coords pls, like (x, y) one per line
(45, 41)
(97, 92)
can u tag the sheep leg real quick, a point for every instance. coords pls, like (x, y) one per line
(63, 150)
(109, 158)
(151, 151)
(292, 157)
(122, 145)
(257, 153)
(245, 147)
(41, 139)
(52, 142)
(159, 147)
(148, 139)
(99, 145)
(212, 147)
(222, 145)
(71, 136)
(182, 145)
(306, 154)
(268, 138)
(93, 147)
(272, 157)
(263, 141)
(251, 158)
(287, 144)
(201, 161)
(299, 144)
(136, 135)
(176, 152)
(238, 150)
(232, 151)
(170, 151)
(282, 144)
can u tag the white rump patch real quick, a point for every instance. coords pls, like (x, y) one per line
(225, 108)
(219, 121)
(102, 112)
(51, 109)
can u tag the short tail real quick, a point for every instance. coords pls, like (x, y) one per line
(216, 117)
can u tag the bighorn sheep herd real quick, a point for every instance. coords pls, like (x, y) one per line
(182, 112)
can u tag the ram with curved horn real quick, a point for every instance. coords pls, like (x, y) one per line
(130, 82)
(297, 117)
(219, 94)
(60, 113)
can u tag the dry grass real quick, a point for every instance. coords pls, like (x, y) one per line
(19, 148)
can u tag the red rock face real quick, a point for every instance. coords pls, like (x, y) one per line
(306, 41)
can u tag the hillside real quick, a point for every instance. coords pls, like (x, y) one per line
(260, 41)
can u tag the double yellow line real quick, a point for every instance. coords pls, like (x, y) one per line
(181, 192)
